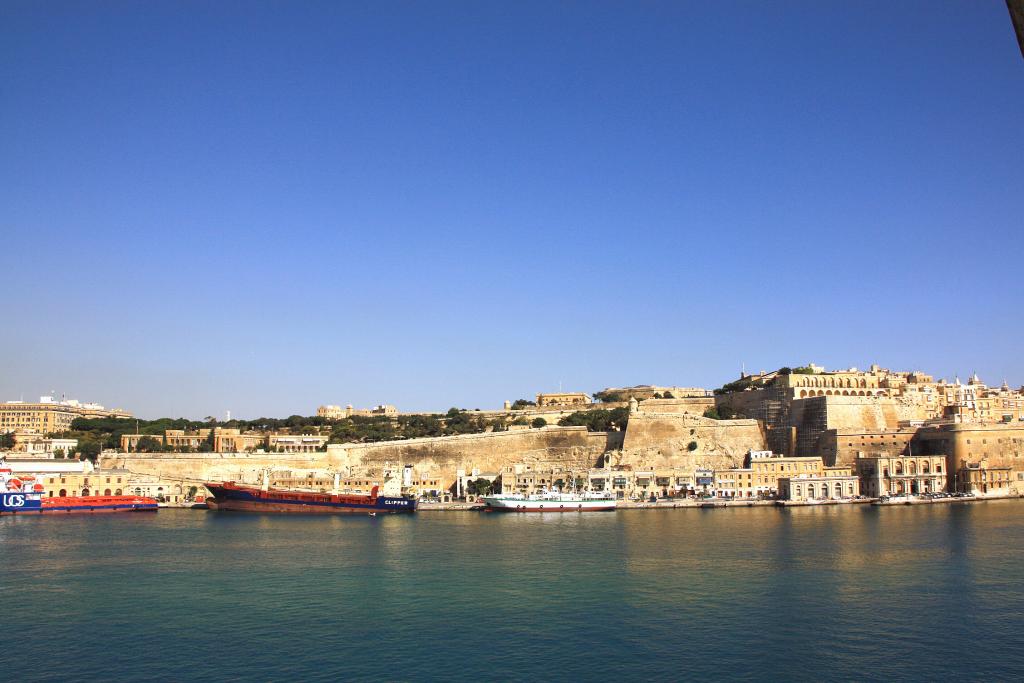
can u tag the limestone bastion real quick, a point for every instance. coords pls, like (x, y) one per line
(651, 439)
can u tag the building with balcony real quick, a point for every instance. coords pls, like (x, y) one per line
(895, 475)
(812, 487)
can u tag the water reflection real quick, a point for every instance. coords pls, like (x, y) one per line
(843, 592)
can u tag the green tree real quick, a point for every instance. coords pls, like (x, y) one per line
(598, 420)
(521, 403)
(209, 444)
(148, 444)
(90, 450)
(538, 423)
(7, 440)
(458, 422)
(417, 426)
(58, 453)
(479, 487)
(712, 412)
(742, 384)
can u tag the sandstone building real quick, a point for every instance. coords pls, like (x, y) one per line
(49, 416)
(334, 412)
(563, 400)
(229, 440)
(901, 475)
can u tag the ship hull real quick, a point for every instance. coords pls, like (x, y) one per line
(34, 504)
(246, 499)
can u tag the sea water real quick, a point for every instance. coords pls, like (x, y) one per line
(819, 593)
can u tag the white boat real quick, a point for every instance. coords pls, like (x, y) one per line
(552, 501)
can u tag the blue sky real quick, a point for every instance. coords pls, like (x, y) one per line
(262, 207)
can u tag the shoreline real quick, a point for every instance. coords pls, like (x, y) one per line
(717, 504)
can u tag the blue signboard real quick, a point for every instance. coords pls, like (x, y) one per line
(20, 502)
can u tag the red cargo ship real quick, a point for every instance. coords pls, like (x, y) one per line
(231, 496)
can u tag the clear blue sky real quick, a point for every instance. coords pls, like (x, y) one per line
(263, 207)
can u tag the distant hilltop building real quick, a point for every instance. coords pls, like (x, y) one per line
(50, 415)
(226, 440)
(563, 400)
(332, 412)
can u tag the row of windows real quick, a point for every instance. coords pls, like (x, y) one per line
(85, 492)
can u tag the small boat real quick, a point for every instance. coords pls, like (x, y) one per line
(552, 501)
(21, 495)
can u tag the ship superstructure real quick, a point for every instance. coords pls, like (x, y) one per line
(552, 501)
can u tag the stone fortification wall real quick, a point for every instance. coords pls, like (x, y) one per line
(438, 457)
(488, 453)
(195, 468)
(682, 406)
(747, 403)
(663, 440)
(1000, 445)
(867, 413)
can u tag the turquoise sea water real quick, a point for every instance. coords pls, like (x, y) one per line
(837, 593)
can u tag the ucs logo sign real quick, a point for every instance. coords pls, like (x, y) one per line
(14, 501)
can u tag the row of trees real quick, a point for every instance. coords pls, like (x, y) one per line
(95, 435)
(455, 421)
(598, 420)
(722, 413)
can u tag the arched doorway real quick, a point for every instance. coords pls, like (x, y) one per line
(106, 492)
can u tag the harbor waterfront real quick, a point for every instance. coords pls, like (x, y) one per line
(931, 592)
